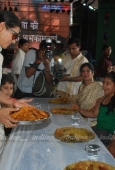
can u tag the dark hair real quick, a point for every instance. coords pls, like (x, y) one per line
(74, 40)
(22, 41)
(7, 78)
(111, 104)
(89, 65)
(10, 19)
(105, 46)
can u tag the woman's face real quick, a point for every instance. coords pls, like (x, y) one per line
(108, 86)
(8, 35)
(7, 89)
(86, 74)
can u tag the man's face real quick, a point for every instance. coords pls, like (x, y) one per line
(25, 47)
(8, 35)
(107, 51)
(74, 49)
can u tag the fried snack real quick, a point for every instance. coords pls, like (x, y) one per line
(29, 113)
(72, 134)
(59, 101)
(89, 165)
(62, 110)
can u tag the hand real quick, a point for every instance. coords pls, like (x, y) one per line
(46, 63)
(21, 102)
(110, 68)
(6, 119)
(40, 56)
(66, 77)
(75, 106)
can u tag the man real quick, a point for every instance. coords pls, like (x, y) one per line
(72, 60)
(104, 65)
(34, 63)
(18, 58)
(9, 31)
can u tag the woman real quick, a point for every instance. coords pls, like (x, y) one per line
(9, 31)
(89, 90)
(104, 110)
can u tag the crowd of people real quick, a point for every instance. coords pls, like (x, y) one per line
(92, 98)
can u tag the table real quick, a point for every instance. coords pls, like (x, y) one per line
(33, 147)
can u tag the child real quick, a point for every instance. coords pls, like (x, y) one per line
(104, 110)
(7, 87)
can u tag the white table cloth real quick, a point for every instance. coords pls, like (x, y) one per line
(33, 147)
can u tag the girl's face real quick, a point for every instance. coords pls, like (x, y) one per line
(108, 86)
(7, 89)
(86, 74)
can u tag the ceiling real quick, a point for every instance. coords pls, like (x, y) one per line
(95, 4)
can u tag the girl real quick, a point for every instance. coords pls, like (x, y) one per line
(104, 110)
(7, 87)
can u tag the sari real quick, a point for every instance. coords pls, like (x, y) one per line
(87, 95)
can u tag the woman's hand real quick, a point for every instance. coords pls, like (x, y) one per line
(6, 119)
(76, 107)
(21, 102)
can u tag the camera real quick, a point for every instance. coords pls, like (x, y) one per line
(48, 51)
(58, 69)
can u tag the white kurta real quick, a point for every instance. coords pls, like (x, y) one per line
(73, 68)
(17, 63)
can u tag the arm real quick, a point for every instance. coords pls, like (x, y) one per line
(48, 75)
(111, 146)
(71, 79)
(92, 113)
(12, 101)
(33, 67)
(29, 71)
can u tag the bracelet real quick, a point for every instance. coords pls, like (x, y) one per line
(46, 70)
(13, 102)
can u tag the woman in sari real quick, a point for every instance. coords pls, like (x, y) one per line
(90, 90)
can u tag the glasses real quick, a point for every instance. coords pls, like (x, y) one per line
(14, 34)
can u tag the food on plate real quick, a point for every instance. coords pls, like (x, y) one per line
(89, 165)
(73, 134)
(59, 100)
(29, 113)
(63, 110)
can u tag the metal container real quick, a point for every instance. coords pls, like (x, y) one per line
(35, 121)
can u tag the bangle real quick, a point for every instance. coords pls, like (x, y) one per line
(13, 102)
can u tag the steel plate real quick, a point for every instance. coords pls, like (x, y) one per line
(35, 121)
